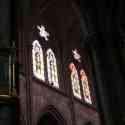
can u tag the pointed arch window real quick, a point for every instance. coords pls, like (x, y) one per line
(75, 80)
(38, 63)
(52, 68)
(85, 86)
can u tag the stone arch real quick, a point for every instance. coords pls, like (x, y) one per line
(51, 116)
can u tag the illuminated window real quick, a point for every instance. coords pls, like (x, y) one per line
(75, 80)
(52, 68)
(76, 55)
(38, 63)
(85, 85)
(43, 33)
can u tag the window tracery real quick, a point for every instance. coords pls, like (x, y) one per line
(85, 87)
(38, 63)
(75, 80)
(52, 68)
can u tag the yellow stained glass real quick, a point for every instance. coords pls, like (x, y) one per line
(75, 80)
(37, 58)
(52, 68)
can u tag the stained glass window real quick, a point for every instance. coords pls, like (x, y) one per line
(38, 63)
(75, 80)
(52, 68)
(85, 85)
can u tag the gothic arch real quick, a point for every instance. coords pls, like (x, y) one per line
(51, 116)
(37, 60)
(75, 80)
(89, 123)
(52, 68)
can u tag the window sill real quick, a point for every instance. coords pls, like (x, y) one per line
(90, 106)
(51, 87)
